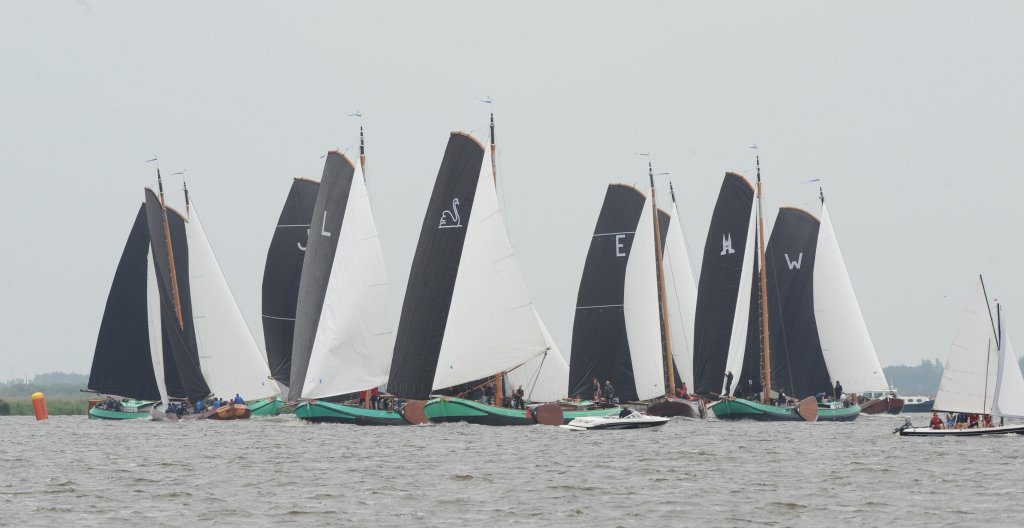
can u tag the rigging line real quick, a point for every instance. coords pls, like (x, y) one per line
(536, 377)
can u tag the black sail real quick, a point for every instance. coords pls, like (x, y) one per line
(179, 337)
(282, 273)
(798, 366)
(748, 382)
(122, 363)
(719, 283)
(435, 266)
(322, 244)
(600, 348)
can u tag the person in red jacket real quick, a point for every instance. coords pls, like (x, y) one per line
(936, 421)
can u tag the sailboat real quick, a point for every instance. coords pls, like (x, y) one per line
(982, 375)
(845, 341)
(130, 334)
(231, 361)
(467, 318)
(752, 348)
(282, 273)
(343, 337)
(621, 330)
(182, 373)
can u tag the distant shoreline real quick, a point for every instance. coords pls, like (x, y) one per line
(56, 407)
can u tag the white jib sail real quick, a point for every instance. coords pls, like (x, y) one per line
(741, 316)
(354, 342)
(845, 342)
(231, 361)
(681, 298)
(491, 322)
(1009, 395)
(156, 340)
(544, 378)
(640, 310)
(969, 378)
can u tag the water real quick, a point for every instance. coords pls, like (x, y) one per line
(282, 472)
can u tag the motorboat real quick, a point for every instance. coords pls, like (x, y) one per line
(624, 419)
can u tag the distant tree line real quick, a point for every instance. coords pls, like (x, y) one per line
(920, 380)
(52, 384)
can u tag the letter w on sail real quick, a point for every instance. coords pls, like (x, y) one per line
(450, 217)
(794, 264)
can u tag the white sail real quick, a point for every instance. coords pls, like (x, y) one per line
(740, 320)
(491, 324)
(353, 344)
(641, 313)
(156, 341)
(1009, 394)
(544, 378)
(969, 378)
(845, 342)
(231, 361)
(681, 297)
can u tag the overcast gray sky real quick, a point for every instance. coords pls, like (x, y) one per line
(910, 112)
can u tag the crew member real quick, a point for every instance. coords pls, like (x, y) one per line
(936, 421)
(837, 393)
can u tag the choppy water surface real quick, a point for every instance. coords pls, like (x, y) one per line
(281, 472)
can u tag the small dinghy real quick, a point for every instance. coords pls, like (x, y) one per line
(624, 419)
(982, 377)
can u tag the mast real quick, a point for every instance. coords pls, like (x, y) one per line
(766, 330)
(666, 339)
(499, 378)
(170, 252)
(494, 157)
(362, 152)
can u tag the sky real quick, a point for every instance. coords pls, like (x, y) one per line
(910, 114)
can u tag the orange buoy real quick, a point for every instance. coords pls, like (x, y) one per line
(39, 404)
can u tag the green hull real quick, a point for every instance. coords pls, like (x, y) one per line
(748, 410)
(132, 410)
(447, 409)
(326, 412)
(266, 407)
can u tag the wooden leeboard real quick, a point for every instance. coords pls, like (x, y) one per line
(808, 409)
(549, 414)
(413, 412)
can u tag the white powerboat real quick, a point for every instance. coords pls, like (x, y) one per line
(624, 419)
(909, 430)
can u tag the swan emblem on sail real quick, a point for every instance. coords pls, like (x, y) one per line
(450, 217)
